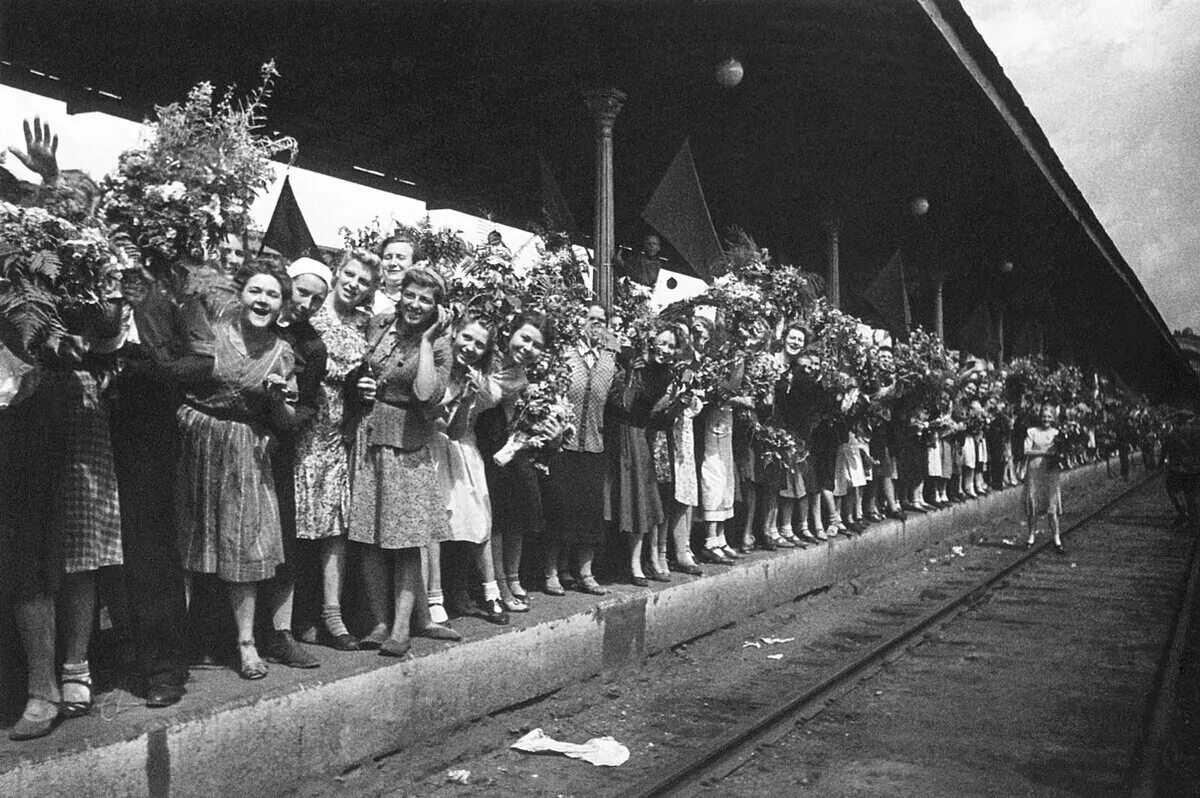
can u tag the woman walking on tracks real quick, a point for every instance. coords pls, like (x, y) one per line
(1042, 493)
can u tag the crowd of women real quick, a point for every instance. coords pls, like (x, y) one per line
(351, 453)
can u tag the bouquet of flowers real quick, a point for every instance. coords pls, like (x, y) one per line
(51, 273)
(763, 371)
(543, 419)
(842, 355)
(778, 450)
(197, 177)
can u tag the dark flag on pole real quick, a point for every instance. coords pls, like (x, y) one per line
(288, 233)
(557, 212)
(978, 335)
(888, 294)
(679, 212)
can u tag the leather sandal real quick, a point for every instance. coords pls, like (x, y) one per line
(76, 709)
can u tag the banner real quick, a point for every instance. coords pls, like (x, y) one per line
(288, 233)
(888, 294)
(678, 211)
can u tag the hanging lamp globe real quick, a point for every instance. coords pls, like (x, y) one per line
(918, 206)
(730, 73)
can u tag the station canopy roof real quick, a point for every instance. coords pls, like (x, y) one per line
(848, 109)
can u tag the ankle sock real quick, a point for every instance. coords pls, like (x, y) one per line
(491, 591)
(73, 691)
(331, 615)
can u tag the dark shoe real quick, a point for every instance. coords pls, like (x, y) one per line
(516, 604)
(493, 612)
(770, 544)
(713, 557)
(639, 581)
(855, 527)
(395, 648)
(283, 649)
(730, 553)
(656, 576)
(589, 585)
(373, 641)
(344, 642)
(912, 508)
(1059, 548)
(686, 568)
(76, 709)
(164, 695)
(554, 587)
(435, 631)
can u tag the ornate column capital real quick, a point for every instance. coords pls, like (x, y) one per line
(604, 105)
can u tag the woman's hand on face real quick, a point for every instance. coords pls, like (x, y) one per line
(440, 325)
(367, 388)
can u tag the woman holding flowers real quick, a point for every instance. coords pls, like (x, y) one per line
(574, 489)
(797, 399)
(326, 452)
(460, 466)
(1043, 495)
(396, 506)
(718, 471)
(227, 509)
(643, 406)
(513, 485)
(59, 516)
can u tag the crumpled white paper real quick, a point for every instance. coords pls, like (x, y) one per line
(599, 750)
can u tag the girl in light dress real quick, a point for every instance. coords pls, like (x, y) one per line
(1043, 494)
(461, 469)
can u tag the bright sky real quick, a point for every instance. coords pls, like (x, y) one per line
(1114, 84)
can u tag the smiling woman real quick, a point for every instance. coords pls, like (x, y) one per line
(229, 522)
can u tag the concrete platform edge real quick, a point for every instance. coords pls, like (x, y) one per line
(266, 746)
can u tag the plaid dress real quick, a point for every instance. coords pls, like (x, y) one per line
(59, 511)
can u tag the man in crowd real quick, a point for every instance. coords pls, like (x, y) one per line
(642, 268)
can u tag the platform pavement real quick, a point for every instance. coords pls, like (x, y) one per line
(233, 738)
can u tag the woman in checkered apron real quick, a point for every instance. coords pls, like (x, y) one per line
(59, 523)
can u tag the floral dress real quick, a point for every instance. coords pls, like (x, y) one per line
(324, 452)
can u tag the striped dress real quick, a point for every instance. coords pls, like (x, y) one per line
(226, 504)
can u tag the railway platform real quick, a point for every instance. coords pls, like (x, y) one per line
(236, 738)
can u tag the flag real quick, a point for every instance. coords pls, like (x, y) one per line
(288, 233)
(555, 209)
(888, 294)
(678, 211)
(978, 335)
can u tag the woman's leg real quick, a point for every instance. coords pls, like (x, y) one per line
(431, 568)
(376, 584)
(635, 556)
(681, 533)
(551, 565)
(750, 491)
(769, 500)
(78, 599)
(243, 598)
(585, 555)
(407, 585)
(36, 629)
(333, 577)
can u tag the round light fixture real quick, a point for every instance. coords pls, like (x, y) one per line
(730, 72)
(919, 206)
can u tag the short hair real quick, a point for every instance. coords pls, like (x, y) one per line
(256, 266)
(425, 278)
(418, 254)
(466, 320)
(364, 256)
(532, 318)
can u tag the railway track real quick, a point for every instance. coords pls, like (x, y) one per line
(727, 753)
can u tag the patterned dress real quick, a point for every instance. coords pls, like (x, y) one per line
(325, 452)
(395, 499)
(574, 489)
(227, 508)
